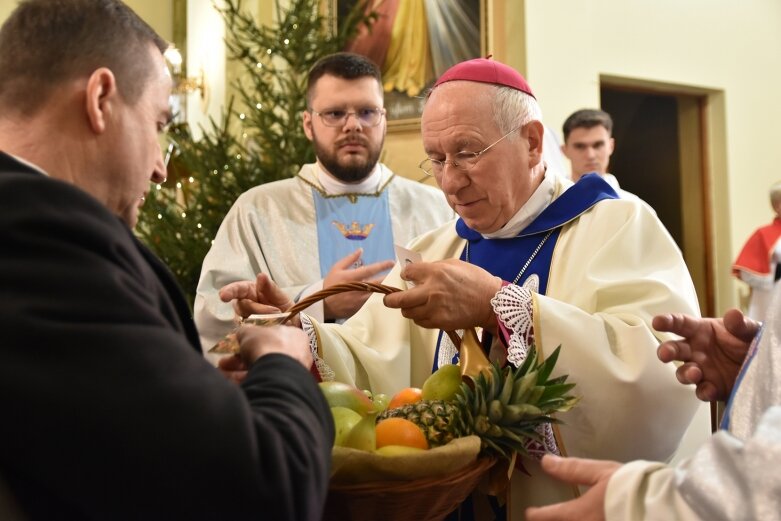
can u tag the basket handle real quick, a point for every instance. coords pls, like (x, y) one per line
(335, 289)
(473, 359)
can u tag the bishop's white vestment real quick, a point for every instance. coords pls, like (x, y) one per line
(607, 267)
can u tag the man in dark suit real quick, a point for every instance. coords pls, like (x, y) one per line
(109, 411)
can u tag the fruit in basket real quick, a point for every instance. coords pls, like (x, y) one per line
(504, 409)
(363, 436)
(443, 384)
(344, 420)
(406, 396)
(397, 450)
(339, 394)
(380, 401)
(399, 431)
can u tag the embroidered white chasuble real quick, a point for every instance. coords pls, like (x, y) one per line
(271, 229)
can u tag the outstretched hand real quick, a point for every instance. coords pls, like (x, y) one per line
(256, 342)
(712, 350)
(261, 296)
(259, 341)
(344, 305)
(449, 294)
(576, 471)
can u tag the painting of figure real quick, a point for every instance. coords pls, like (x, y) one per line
(413, 42)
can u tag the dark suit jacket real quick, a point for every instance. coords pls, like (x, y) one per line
(108, 409)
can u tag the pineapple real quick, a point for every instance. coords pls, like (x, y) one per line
(504, 407)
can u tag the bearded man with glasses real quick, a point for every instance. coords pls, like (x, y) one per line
(337, 221)
(535, 259)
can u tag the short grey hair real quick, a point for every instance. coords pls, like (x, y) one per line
(513, 108)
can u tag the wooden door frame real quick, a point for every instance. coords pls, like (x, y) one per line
(695, 177)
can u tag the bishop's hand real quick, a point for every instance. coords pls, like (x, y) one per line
(449, 294)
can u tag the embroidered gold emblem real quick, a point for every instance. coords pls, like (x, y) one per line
(355, 232)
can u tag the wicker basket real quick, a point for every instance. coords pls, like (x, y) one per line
(415, 500)
(473, 360)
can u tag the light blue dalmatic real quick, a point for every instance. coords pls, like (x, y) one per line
(343, 226)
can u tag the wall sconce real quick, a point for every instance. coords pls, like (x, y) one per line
(183, 84)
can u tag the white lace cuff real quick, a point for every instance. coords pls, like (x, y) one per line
(513, 306)
(326, 373)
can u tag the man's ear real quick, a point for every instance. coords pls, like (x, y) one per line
(102, 94)
(564, 149)
(306, 118)
(612, 145)
(534, 132)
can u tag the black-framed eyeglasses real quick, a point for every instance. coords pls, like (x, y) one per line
(367, 117)
(463, 161)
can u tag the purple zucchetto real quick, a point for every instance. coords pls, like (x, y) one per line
(485, 70)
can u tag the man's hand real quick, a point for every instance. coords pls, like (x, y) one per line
(344, 305)
(259, 341)
(233, 368)
(262, 296)
(576, 471)
(712, 350)
(449, 294)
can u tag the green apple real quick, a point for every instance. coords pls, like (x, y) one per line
(443, 383)
(344, 421)
(339, 394)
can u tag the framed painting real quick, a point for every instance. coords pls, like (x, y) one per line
(414, 42)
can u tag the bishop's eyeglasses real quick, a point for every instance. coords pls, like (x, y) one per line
(367, 117)
(464, 161)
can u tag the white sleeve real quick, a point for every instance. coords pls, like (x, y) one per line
(236, 254)
(730, 479)
(645, 490)
(725, 480)
(616, 270)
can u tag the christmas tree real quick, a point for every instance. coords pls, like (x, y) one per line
(259, 138)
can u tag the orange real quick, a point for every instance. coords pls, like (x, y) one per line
(405, 396)
(398, 431)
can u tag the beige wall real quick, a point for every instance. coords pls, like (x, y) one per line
(6, 6)
(157, 13)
